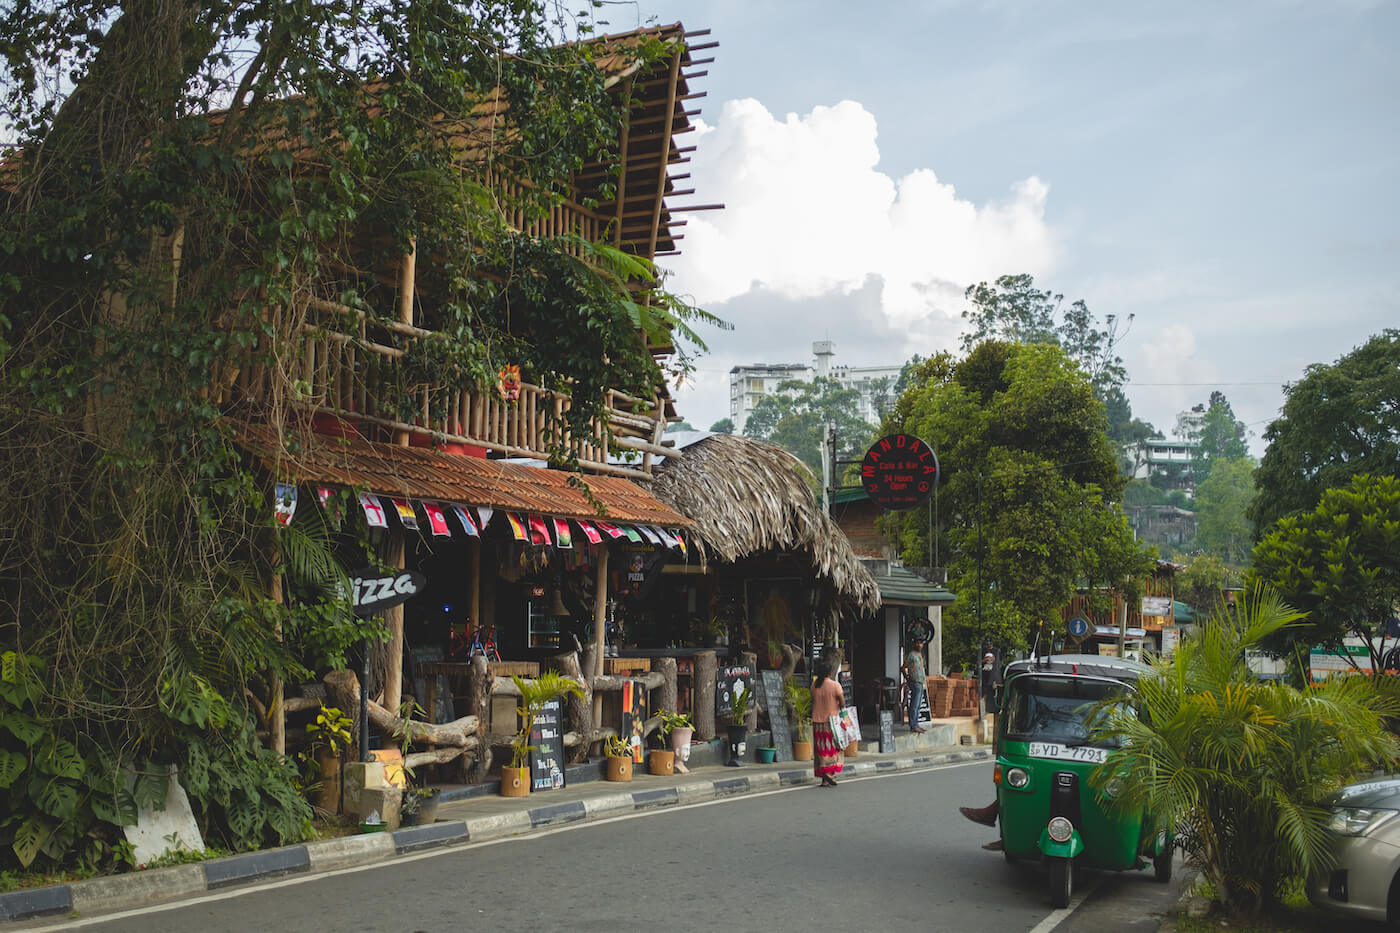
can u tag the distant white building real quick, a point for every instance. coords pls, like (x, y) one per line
(749, 384)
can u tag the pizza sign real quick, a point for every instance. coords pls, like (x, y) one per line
(372, 592)
(899, 472)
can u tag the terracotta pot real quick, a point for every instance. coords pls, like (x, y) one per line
(619, 768)
(852, 750)
(328, 793)
(662, 762)
(801, 751)
(515, 782)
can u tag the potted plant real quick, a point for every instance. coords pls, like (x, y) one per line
(419, 805)
(619, 758)
(329, 736)
(799, 700)
(534, 694)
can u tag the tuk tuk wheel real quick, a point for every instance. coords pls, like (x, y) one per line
(1162, 865)
(1061, 881)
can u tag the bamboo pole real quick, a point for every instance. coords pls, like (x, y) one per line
(600, 618)
(394, 617)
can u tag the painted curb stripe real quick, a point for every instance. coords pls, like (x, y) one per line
(220, 873)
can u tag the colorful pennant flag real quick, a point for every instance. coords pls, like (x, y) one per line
(539, 532)
(632, 534)
(335, 516)
(483, 516)
(664, 535)
(286, 503)
(609, 529)
(517, 526)
(374, 512)
(651, 536)
(680, 540)
(590, 532)
(563, 537)
(465, 519)
(406, 515)
(437, 521)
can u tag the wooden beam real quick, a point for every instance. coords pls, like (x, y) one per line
(665, 151)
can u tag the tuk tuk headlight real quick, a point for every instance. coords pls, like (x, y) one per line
(1017, 777)
(1358, 821)
(1060, 829)
(1113, 788)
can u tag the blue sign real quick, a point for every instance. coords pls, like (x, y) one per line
(1078, 627)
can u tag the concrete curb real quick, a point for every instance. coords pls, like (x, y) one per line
(117, 892)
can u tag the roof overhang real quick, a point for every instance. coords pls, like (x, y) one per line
(424, 473)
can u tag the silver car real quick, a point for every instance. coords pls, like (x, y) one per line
(1365, 879)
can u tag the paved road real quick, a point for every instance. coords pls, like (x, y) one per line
(886, 852)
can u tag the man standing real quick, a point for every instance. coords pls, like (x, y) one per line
(916, 680)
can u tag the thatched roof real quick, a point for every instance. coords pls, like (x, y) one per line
(746, 496)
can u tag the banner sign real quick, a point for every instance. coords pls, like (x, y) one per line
(899, 472)
(371, 591)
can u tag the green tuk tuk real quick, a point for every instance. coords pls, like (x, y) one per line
(1044, 756)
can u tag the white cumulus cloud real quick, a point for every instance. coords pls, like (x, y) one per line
(808, 213)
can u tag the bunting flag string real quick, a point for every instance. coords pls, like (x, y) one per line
(335, 516)
(563, 537)
(680, 540)
(664, 535)
(539, 532)
(632, 534)
(465, 520)
(589, 532)
(609, 529)
(517, 526)
(437, 521)
(651, 536)
(286, 503)
(406, 514)
(374, 512)
(483, 516)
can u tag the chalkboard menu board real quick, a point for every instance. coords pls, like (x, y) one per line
(771, 688)
(547, 748)
(886, 731)
(844, 679)
(730, 681)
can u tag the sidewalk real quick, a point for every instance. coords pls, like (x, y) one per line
(477, 813)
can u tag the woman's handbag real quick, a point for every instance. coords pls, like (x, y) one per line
(845, 727)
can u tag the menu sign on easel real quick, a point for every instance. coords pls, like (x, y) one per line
(773, 703)
(730, 681)
(547, 748)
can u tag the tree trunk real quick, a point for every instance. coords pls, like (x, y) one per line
(751, 716)
(343, 690)
(666, 694)
(706, 670)
(578, 711)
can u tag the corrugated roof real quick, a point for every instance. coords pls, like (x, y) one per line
(901, 586)
(423, 473)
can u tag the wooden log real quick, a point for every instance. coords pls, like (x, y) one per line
(706, 670)
(301, 704)
(478, 697)
(666, 693)
(505, 687)
(459, 732)
(578, 710)
(609, 682)
(437, 756)
(343, 690)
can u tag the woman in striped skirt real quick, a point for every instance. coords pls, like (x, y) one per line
(827, 700)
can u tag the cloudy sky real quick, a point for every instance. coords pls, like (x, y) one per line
(1225, 172)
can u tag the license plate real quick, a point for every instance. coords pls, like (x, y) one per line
(1067, 752)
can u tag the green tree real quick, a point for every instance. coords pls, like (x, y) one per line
(1222, 505)
(1340, 563)
(1029, 476)
(187, 180)
(1340, 419)
(1202, 584)
(1014, 310)
(797, 416)
(1218, 435)
(1239, 768)
(723, 426)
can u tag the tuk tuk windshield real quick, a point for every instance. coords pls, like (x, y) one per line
(1057, 709)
